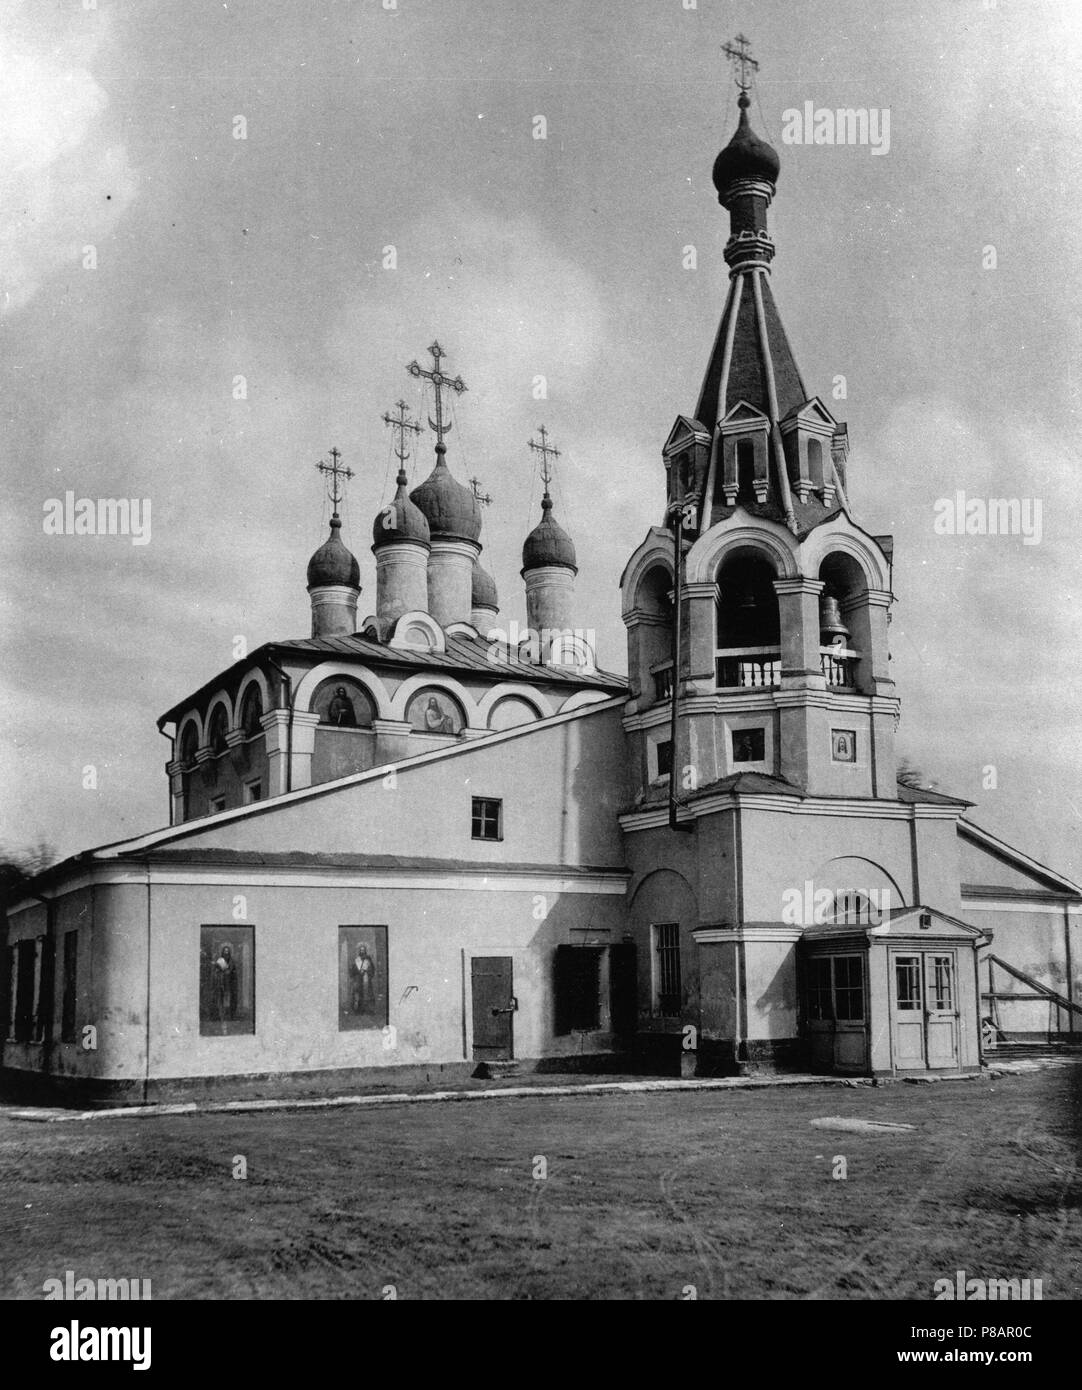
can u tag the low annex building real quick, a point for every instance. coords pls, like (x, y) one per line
(405, 846)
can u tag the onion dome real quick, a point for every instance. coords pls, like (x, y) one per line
(746, 156)
(400, 520)
(450, 509)
(484, 589)
(333, 563)
(548, 543)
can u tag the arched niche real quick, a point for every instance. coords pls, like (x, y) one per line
(344, 703)
(217, 729)
(432, 710)
(251, 711)
(510, 711)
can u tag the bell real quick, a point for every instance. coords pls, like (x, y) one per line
(748, 601)
(831, 627)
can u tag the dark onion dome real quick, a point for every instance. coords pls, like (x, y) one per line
(333, 563)
(548, 543)
(484, 589)
(745, 156)
(450, 509)
(409, 522)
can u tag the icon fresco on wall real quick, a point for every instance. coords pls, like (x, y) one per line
(343, 704)
(843, 745)
(434, 712)
(226, 980)
(362, 977)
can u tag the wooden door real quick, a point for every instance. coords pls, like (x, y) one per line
(907, 1006)
(925, 1011)
(494, 1008)
(941, 1009)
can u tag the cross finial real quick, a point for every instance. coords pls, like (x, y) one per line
(738, 53)
(483, 498)
(335, 472)
(547, 451)
(441, 382)
(401, 424)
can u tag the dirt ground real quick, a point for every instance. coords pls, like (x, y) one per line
(658, 1196)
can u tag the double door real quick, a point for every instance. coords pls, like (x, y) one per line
(924, 1010)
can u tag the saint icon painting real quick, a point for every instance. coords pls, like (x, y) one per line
(226, 980)
(362, 977)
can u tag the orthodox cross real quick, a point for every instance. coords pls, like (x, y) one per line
(547, 451)
(335, 471)
(441, 382)
(483, 498)
(400, 424)
(739, 54)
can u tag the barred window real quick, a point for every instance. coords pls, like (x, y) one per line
(668, 995)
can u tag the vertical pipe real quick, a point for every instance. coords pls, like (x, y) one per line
(678, 584)
(1068, 966)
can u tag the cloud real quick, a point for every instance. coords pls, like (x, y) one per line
(63, 184)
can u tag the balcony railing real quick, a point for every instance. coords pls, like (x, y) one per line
(749, 668)
(839, 666)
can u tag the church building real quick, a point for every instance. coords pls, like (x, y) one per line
(425, 841)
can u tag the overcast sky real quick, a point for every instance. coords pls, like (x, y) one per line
(413, 127)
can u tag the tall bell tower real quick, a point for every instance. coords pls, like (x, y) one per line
(782, 598)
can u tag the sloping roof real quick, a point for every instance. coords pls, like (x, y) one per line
(464, 654)
(297, 859)
(925, 796)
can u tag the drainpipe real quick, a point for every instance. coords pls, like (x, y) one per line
(169, 787)
(287, 681)
(674, 696)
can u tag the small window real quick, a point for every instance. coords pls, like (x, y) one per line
(663, 757)
(70, 994)
(749, 745)
(668, 995)
(253, 791)
(907, 983)
(215, 804)
(487, 818)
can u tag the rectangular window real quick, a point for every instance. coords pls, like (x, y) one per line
(849, 989)
(668, 994)
(215, 804)
(942, 984)
(820, 996)
(362, 978)
(487, 818)
(749, 745)
(578, 989)
(226, 980)
(663, 754)
(907, 983)
(253, 791)
(70, 994)
(27, 980)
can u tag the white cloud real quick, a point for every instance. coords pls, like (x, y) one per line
(63, 185)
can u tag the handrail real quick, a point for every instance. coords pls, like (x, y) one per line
(1060, 999)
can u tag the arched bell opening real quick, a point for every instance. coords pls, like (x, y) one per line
(842, 620)
(749, 626)
(653, 632)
